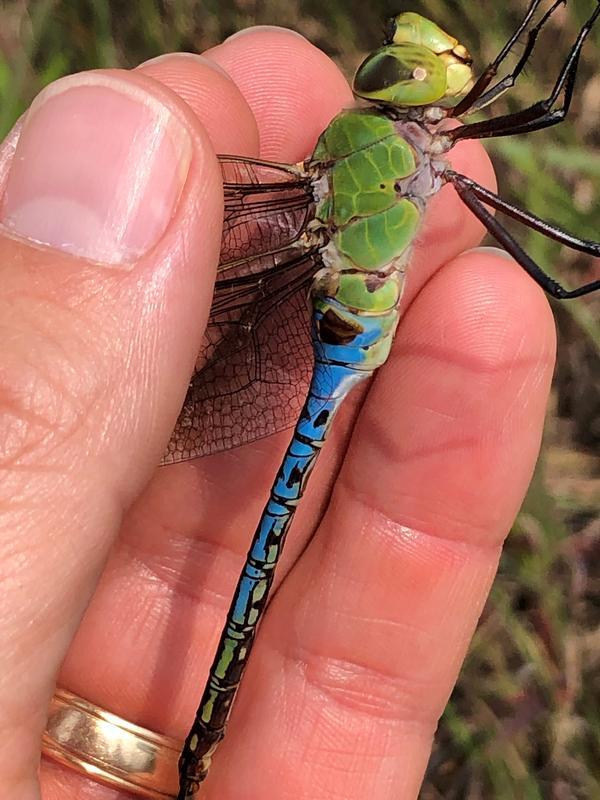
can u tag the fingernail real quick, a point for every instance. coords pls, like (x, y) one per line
(98, 169)
(492, 251)
(170, 58)
(263, 29)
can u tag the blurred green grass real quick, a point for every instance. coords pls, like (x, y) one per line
(524, 720)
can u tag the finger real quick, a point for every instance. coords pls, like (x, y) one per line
(106, 284)
(213, 96)
(292, 87)
(362, 644)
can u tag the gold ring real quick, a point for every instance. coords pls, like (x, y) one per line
(109, 749)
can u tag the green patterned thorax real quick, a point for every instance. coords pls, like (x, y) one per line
(364, 158)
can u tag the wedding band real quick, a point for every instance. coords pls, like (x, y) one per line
(109, 749)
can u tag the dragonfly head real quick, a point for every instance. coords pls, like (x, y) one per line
(418, 65)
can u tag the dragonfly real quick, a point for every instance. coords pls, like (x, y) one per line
(313, 262)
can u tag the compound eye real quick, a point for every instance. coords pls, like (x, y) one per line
(401, 75)
(381, 72)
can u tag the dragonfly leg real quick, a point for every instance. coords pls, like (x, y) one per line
(539, 115)
(532, 221)
(480, 96)
(499, 232)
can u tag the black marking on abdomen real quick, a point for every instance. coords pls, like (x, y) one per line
(295, 477)
(322, 418)
(335, 330)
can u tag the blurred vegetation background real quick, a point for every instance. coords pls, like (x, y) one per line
(524, 720)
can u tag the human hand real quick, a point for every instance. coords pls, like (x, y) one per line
(394, 549)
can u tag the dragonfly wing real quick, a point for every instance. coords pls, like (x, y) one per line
(254, 366)
(267, 207)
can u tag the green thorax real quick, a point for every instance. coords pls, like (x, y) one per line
(362, 159)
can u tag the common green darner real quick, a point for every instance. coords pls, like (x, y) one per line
(339, 227)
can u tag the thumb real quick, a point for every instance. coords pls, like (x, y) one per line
(110, 212)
